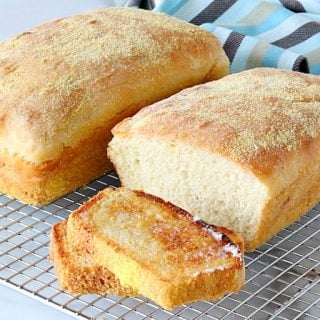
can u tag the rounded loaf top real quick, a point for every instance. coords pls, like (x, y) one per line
(63, 79)
(257, 117)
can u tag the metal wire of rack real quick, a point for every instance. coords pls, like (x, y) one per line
(282, 277)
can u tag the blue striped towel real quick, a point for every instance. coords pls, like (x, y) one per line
(275, 33)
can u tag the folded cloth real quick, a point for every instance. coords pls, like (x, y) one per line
(254, 33)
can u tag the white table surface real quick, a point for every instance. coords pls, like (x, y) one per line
(17, 16)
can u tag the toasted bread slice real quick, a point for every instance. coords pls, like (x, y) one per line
(78, 273)
(157, 249)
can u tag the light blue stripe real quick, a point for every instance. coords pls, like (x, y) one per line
(315, 69)
(170, 7)
(191, 9)
(275, 1)
(272, 56)
(307, 45)
(286, 26)
(278, 16)
(209, 26)
(221, 33)
(240, 59)
(237, 12)
(311, 16)
(311, 5)
(287, 59)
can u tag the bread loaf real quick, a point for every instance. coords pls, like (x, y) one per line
(66, 83)
(242, 152)
(155, 248)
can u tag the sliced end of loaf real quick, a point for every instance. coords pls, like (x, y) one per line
(208, 185)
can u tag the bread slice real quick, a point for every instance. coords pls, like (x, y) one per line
(242, 152)
(77, 272)
(66, 83)
(157, 249)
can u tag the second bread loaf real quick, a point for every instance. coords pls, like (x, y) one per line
(242, 152)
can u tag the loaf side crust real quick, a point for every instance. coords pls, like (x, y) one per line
(77, 166)
(290, 203)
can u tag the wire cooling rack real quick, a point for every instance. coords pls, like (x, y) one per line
(282, 277)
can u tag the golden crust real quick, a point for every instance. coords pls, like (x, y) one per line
(290, 203)
(64, 79)
(43, 183)
(79, 274)
(259, 118)
(145, 275)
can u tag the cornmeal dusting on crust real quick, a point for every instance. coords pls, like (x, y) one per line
(87, 46)
(63, 79)
(247, 116)
(82, 44)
